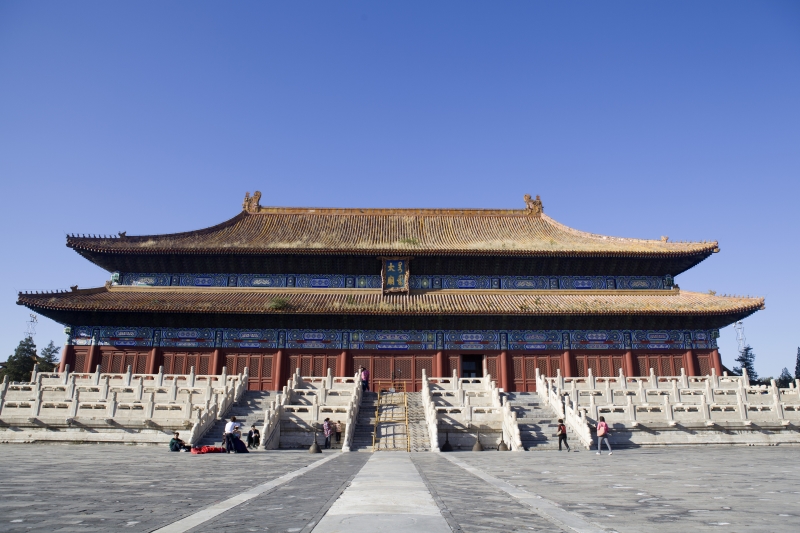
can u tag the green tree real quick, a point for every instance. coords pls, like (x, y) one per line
(784, 379)
(797, 365)
(48, 358)
(747, 361)
(20, 365)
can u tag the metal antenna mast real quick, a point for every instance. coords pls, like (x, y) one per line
(740, 339)
(30, 330)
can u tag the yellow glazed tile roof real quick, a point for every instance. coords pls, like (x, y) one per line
(373, 302)
(281, 230)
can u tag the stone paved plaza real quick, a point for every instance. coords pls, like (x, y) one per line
(675, 489)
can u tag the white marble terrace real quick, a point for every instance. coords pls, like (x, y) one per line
(125, 408)
(676, 409)
(461, 407)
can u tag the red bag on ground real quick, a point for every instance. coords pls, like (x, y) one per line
(207, 449)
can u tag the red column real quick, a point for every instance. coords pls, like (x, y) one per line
(716, 361)
(278, 367)
(67, 358)
(93, 358)
(341, 364)
(629, 366)
(503, 370)
(150, 365)
(688, 362)
(566, 364)
(438, 365)
(216, 366)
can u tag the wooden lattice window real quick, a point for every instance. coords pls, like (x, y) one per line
(424, 363)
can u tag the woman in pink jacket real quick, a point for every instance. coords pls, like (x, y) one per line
(602, 435)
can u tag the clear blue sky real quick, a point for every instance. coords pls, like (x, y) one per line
(636, 119)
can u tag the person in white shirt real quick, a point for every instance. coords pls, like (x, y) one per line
(231, 431)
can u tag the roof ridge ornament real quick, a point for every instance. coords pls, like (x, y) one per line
(534, 207)
(251, 203)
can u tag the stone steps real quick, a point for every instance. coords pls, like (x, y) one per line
(249, 410)
(537, 424)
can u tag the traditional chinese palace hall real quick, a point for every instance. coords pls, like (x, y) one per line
(399, 291)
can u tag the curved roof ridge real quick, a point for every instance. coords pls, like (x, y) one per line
(581, 233)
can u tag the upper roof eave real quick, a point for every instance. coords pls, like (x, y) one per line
(334, 231)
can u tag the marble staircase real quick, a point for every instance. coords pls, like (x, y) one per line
(248, 411)
(537, 423)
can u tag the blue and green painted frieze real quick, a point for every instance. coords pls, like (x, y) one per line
(416, 282)
(379, 340)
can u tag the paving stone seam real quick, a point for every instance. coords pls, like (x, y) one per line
(448, 516)
(547, 509)
(214, 510)
(324, 510)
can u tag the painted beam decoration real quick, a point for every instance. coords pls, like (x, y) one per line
(395, 340)
(395, 274)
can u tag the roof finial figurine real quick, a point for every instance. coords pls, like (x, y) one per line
(251, 203)
(534, 207)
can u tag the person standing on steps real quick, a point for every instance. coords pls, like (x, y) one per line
(338, 428)
(602, 435)
(562, 435)
(327, 430)
(364, 379)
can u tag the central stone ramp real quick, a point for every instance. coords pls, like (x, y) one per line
(388, 494)
(391, 424)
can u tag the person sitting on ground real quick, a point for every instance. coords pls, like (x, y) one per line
(253, 437)
(177, 445)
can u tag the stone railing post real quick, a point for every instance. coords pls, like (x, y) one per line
(668, 410)
(111, 408)
(3, 391)
(653, 379)
(70, 390)
(74, 405)
(96, 380)
(623, 380)
(456, 384)
(173, 390)
(128, 376)
(191, 376)
(160, 377)
(65, 376)
(35, 373)
(590, 379)
(139, 388)
(104, 388)
(631, 411)
(741, 405)
(150, 406)
(329, 380)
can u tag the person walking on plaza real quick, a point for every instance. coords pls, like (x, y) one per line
(562, 435)
(327, 430)
(338, 428)
(364, 379)
(602, 435)
(230, 434)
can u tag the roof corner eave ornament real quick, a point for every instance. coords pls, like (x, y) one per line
(252, 204)
(533, 207)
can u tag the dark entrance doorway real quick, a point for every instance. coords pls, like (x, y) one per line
(472, 366)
